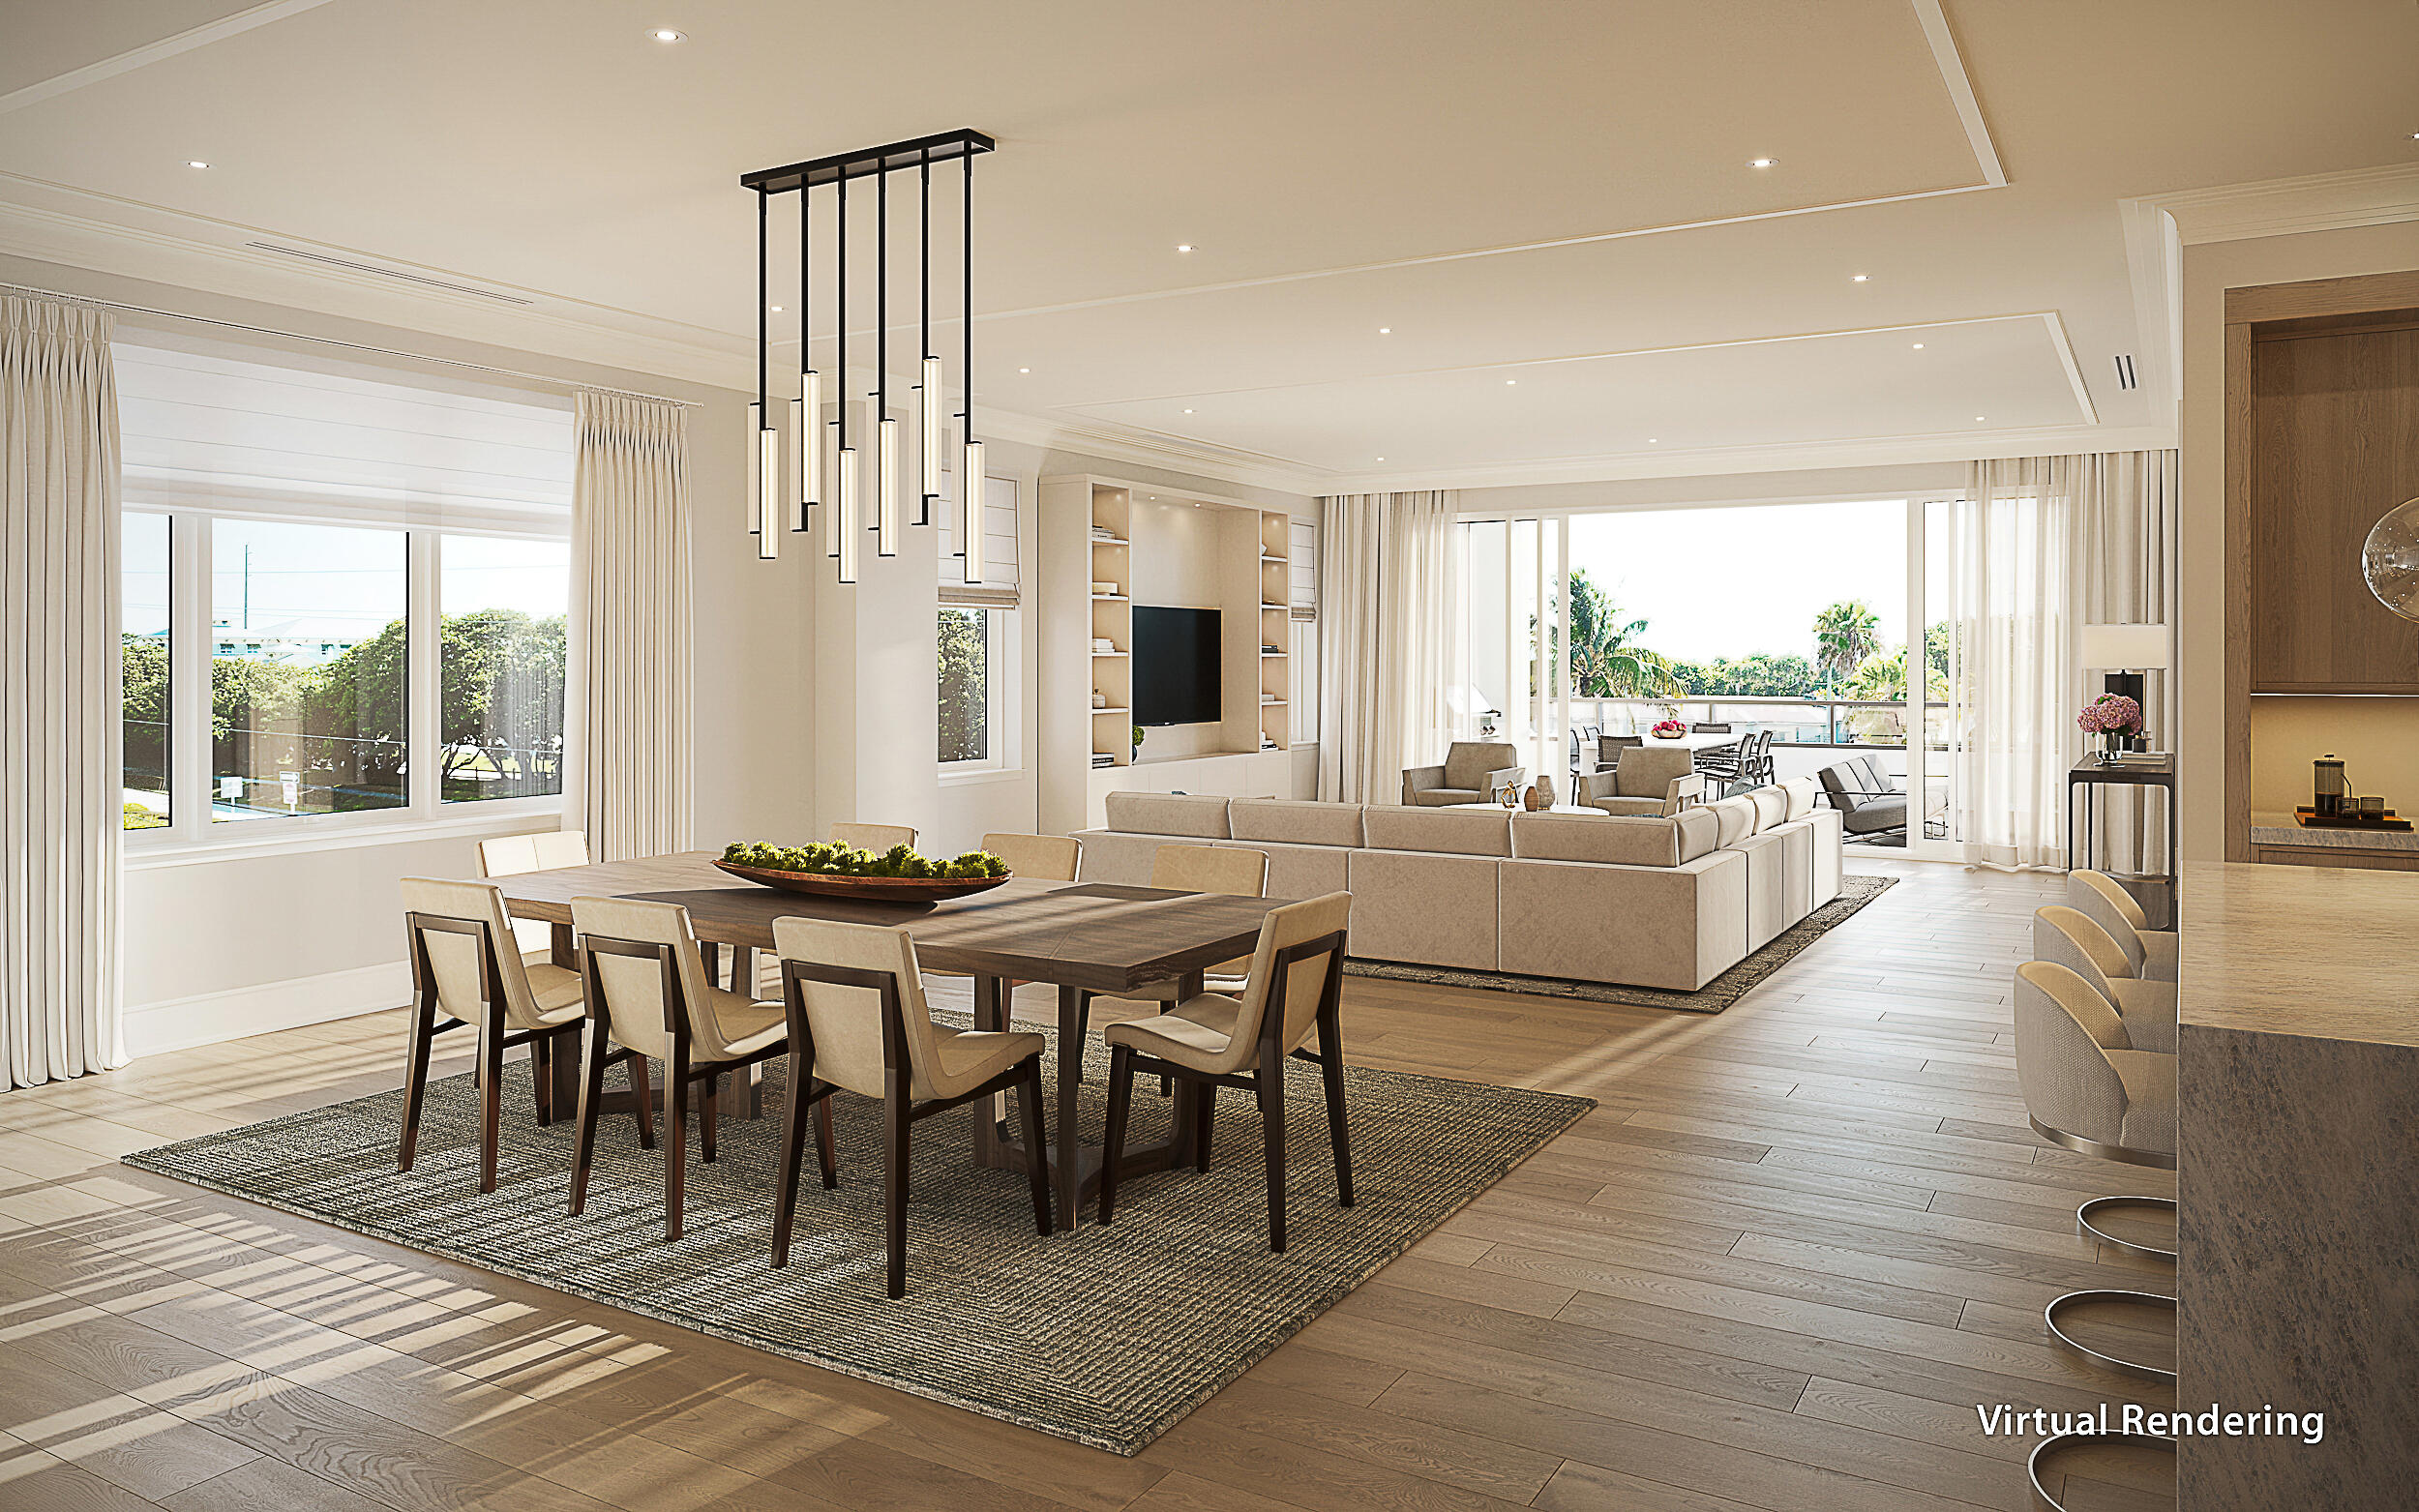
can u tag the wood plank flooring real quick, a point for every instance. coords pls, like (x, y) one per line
(1776, 1269)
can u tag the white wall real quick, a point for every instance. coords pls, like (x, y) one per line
(2210, 269)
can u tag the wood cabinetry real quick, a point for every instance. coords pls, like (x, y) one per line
(2334, 445)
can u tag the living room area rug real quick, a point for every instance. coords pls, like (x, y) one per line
(1104, 1336)
(1856, 890)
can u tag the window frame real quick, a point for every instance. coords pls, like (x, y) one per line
(1002, 684)
(190, 831)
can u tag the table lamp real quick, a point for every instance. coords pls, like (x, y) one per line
(2125, 653)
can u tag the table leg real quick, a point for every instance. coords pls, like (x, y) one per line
(563, 1054)
(989, 1014)
(1067, 1170)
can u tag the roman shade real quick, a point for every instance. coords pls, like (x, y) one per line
(999, 585)
(1303, 568)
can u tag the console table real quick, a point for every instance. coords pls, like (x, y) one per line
(2089, 777)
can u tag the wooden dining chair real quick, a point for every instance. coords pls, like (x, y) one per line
(456, 935)
(1214, 1041)
(648, 999)
(1232, 869)
(858, 1022)
(511, 855)
(876, 837)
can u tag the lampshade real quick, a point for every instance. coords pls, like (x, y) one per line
(2127, 648)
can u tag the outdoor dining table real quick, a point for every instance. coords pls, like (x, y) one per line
(1085, 939)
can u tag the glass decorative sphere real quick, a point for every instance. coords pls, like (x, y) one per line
(2390, 559)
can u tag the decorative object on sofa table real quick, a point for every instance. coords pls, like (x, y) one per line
(1508, 796)
(2115, 719)
(1668, 730)
(2389, 559)
(2328, 786)
(1541, 795)
(2126, 654)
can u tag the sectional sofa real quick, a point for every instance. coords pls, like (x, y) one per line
(1645, 901)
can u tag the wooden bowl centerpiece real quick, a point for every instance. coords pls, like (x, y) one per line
(898, 875)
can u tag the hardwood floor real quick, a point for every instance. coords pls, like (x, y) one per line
(1777, 1268)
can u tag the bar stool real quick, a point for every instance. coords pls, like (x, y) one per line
(2087, 1089)
(2103, 900)
(2068, 938)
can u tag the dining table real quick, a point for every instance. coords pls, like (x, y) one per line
(1088, 939)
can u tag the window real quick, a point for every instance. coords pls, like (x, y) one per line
(501, 675)
(143, 661)
(1304, 665)
(309, 669)
(966, 686)
(344, 596)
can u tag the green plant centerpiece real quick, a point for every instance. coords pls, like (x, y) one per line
(900, 873)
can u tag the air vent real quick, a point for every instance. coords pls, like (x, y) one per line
(424, 282)
(2125, 371)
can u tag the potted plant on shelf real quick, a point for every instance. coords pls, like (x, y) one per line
(2115, 719)
(1138, 742)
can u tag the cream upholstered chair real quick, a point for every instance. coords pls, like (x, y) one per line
(1215, 1041)
(1472, 772)
(1648, 780)
(548, 850)
(2068, 938)
(876, 837)
(858, 1022)
(461, 964)
(2089, 1090)
(1047, 858)
(2102, 899)
(1234, 870)
(648, 999)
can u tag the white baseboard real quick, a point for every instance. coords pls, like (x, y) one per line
(208, 1018)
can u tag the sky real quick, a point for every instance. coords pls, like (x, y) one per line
(1731, 582)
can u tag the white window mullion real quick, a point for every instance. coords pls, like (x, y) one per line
(424, 633)
(190, 711)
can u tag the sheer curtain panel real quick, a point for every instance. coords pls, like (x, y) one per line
(631, 624)
(2124, 506)
(59, 783)
(1385, 604)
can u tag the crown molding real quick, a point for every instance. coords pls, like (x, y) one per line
(1790, 457)
(2289, 206)
(1142, 449)
(75, 229)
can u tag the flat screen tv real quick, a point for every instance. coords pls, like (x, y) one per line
(1175, 666)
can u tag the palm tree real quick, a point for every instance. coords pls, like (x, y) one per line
(1844, 636)
(1606, 660)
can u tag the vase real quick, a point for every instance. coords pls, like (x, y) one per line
(2111, 742)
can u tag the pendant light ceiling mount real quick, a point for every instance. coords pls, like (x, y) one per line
(807, 453)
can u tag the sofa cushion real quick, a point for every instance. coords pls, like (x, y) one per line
(1642, 806)
(1804, 795)
(1424, 908)
(1469, 832)
(1445, 797)
(1670, 927)
(1771, 806)
(1295, 822)
(1468, 762)
(1700, 832)
(1771, 886)
(1168, 813)
(1301, 871)
(1606, 838)
(1735, 816)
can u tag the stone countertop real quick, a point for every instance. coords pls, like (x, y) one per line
(2279, 829)
(2325, 951)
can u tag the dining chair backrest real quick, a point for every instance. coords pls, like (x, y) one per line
(469, 964)
(1211, 869)
(846, 1019)
(511, 855)
(642, 991)
(1044, 858)
(876, 837)
(1710, 727)
(1297, 964)
(1608, 748)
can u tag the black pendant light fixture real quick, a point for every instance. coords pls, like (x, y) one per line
(809, 458)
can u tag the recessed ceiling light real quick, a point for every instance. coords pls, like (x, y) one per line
(1023, 369)
(1649, 440)
(1508, 382)
(1919, 347)
(666, 34)
(1184, 247)
(1762, 162)
(195, 162)
(1385, 330)
(1188, 411)
(1860, 277)
(1380, 459)
(775, 308)
(1978, 419)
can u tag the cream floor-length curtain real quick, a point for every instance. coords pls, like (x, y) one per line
(2039, 547)
(630, 614)
(60, 781)
(1386, 654)
(2011, 601)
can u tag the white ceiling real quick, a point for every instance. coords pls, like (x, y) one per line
(1553, 192)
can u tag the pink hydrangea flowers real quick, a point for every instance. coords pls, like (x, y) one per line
(2111, 714)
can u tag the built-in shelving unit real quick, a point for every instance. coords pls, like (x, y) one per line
(1139, 543)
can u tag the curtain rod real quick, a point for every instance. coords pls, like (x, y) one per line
(352, 347)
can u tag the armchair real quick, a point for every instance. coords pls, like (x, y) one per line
(1648, 780)
(1472, 772)
(1869, 799)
